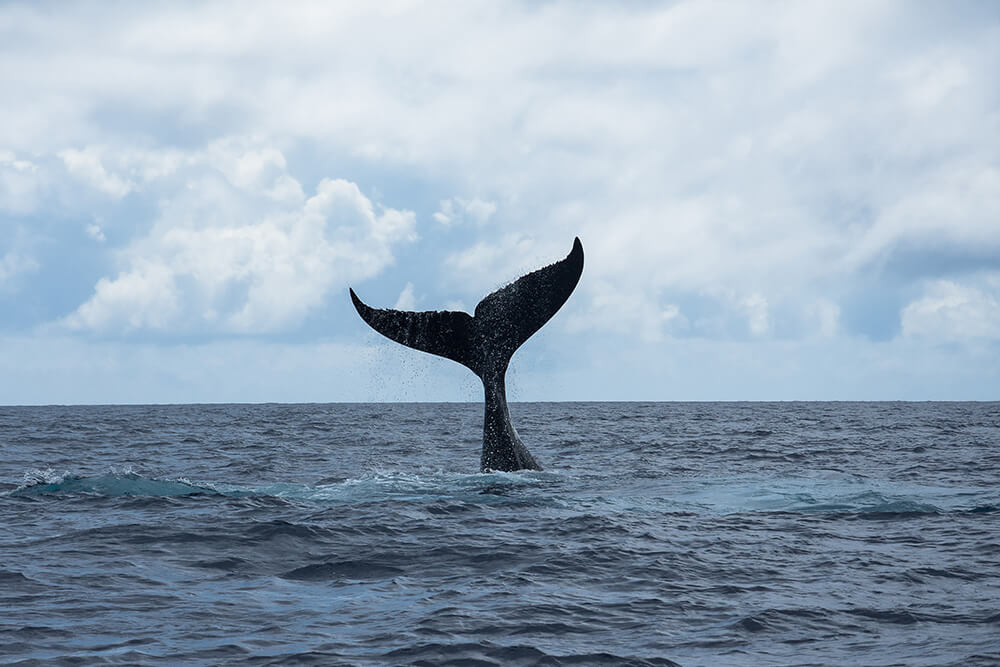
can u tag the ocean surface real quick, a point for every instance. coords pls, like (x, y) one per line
(659, 534)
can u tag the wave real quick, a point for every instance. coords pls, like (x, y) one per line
(836, 494)
(481, 488)
(127, 483)
(450, 492)
(485, 652)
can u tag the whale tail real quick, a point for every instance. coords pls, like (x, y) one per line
(485, 342)
(503, 320)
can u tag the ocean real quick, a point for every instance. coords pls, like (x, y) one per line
(364, 534)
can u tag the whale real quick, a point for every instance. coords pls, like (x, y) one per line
(485, 341)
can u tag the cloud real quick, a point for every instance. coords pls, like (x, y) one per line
(949, 312)
(757, 316)
(954, 209)
(457, 210)
(825, 317)
(711, 148)
(20, 184)
(814, 172)
(87, 166)
(489, 265)
(255, 168)
(629, 314)
(13, 264)
(46, 369)
(406, 300)
(95, 232)
(237, 248)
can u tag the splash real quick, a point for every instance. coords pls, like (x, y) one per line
(373, 487)
(115, 483)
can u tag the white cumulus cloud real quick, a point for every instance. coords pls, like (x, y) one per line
(95, 232)
(406, 300)
(87, 165)
(457, 210)
(226, 254)
(949, 311)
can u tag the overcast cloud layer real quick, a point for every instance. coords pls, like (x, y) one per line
(777, 201)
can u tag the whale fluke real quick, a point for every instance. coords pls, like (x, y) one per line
(485, 342)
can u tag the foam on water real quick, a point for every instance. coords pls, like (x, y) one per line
(705, 496)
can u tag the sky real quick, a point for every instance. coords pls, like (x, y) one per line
(777, 201)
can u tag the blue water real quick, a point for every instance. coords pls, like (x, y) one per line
(659, 533)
